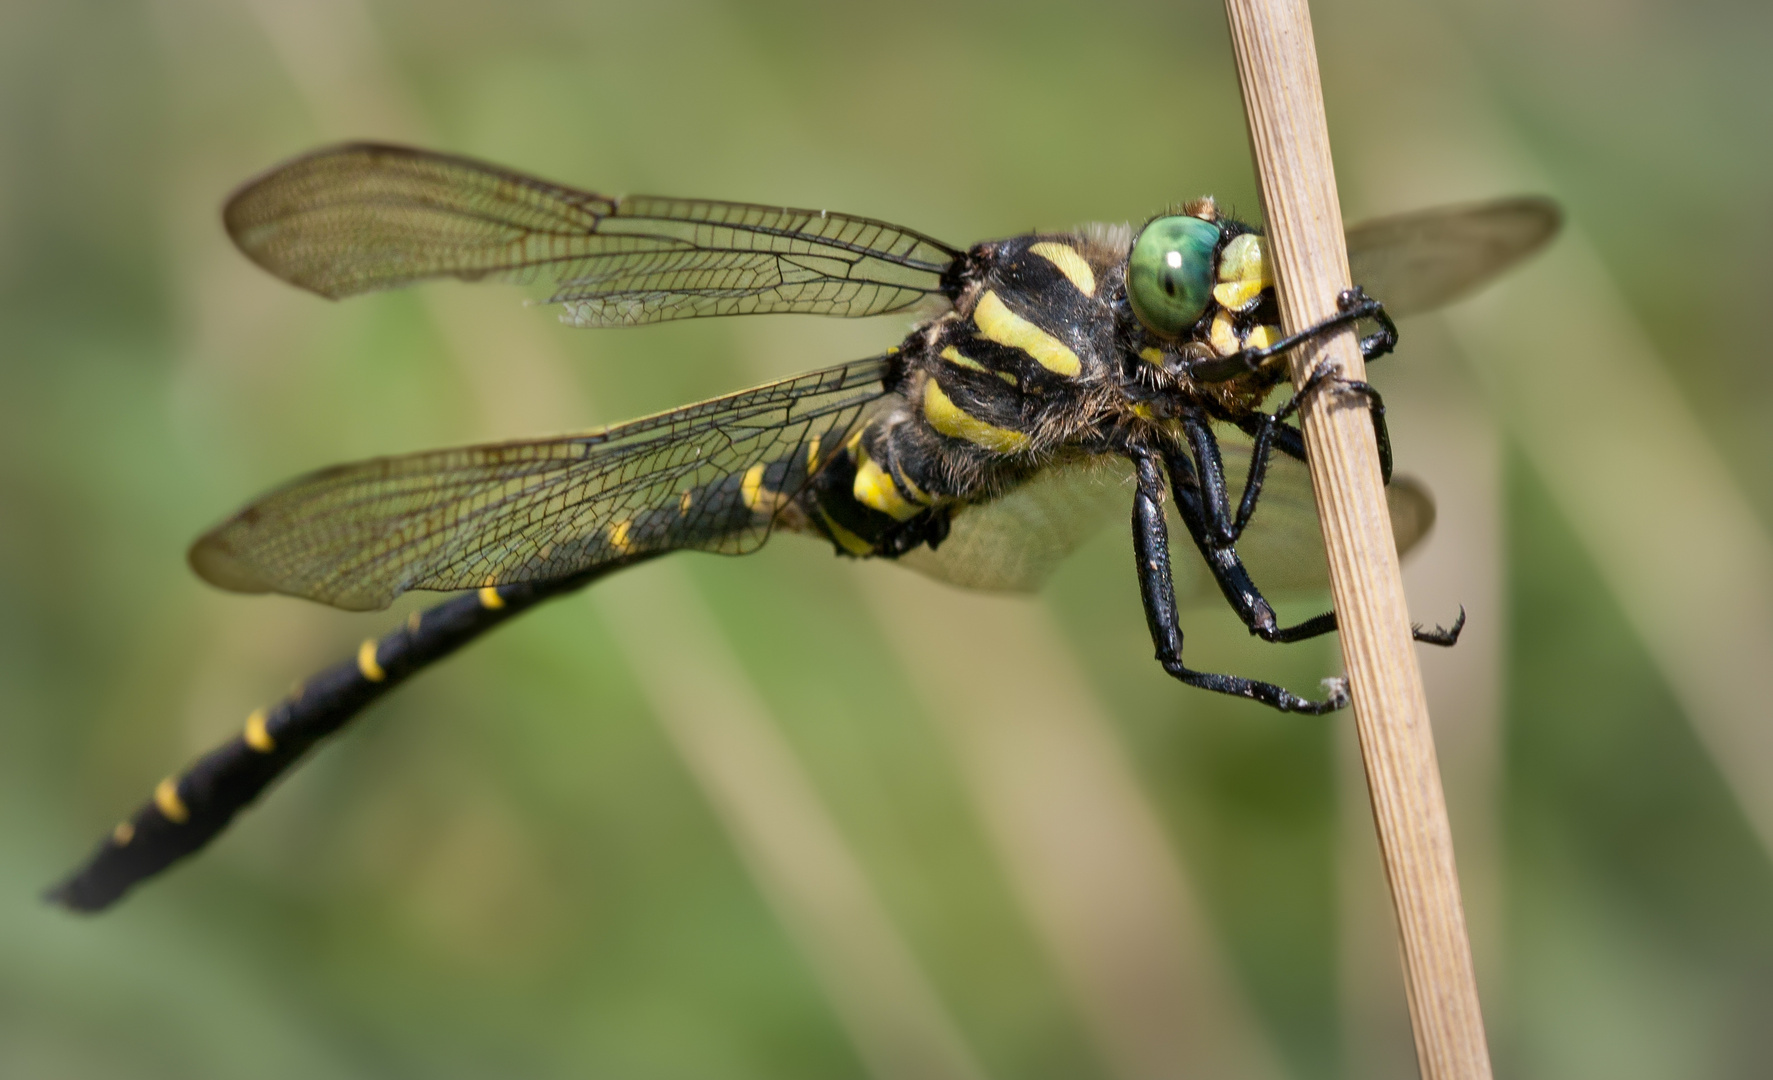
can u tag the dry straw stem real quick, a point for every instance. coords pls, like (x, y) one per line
(1277, 65)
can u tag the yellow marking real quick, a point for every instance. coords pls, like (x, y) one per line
(1144, 411)
(849, 541)
(366, 661)
(1224, 334)
(489, 599)
(998, 323)
(752, 488)
(1151, 354)
(683, 505)
(910, 487)
(255, 734)
(955, 357)
(812, 456)
(873, 488)
(618, 535)
(1243, 259)
(1069, 262)
(1262, 336)
(123, 833)
(855, 441)
(1237, 295)
(166, 798)
(1243, 273)
(892, 350)
(412, 623)
(951, 420)
(760, 499)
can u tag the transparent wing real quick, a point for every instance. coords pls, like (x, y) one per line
(1283, 547)
(1015, 543)
(362, 216)
(1419, 261)
(713, 476)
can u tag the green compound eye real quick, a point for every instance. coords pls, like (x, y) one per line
(1170, 273)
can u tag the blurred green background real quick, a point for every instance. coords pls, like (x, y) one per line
(786, 816)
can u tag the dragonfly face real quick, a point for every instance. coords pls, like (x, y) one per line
(1056, 366)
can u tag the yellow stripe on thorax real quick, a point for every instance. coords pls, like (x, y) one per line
(909, 486)
(956, 423)
(998, 323)
(1069, 262)
(958, 359)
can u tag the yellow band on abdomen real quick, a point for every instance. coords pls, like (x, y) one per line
(366, 662)
(167, 801)
(256, 735)
(846, 539)
(874, 489)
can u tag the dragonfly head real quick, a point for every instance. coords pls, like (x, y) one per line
(1201, 285)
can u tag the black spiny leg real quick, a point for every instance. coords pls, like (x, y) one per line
(1326, 375)
(1351, 307)
(1202, 503)
(188, 810)
(1157, 588)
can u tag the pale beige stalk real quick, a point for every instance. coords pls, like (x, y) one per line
(1283, 101)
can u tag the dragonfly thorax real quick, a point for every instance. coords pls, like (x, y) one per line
(1043, 356)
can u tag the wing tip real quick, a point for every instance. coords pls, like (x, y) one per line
(213, 560)
(256, 212)
(1412, 512)
(1544, 213)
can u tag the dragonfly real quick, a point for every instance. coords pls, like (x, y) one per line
(1047, 375)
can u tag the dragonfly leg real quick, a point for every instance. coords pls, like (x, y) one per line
(1202, 503)
(1326, 378)
(1269, 433)
(1206, 516)
(188, 810)
(1157, 588)
(1351, 307)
